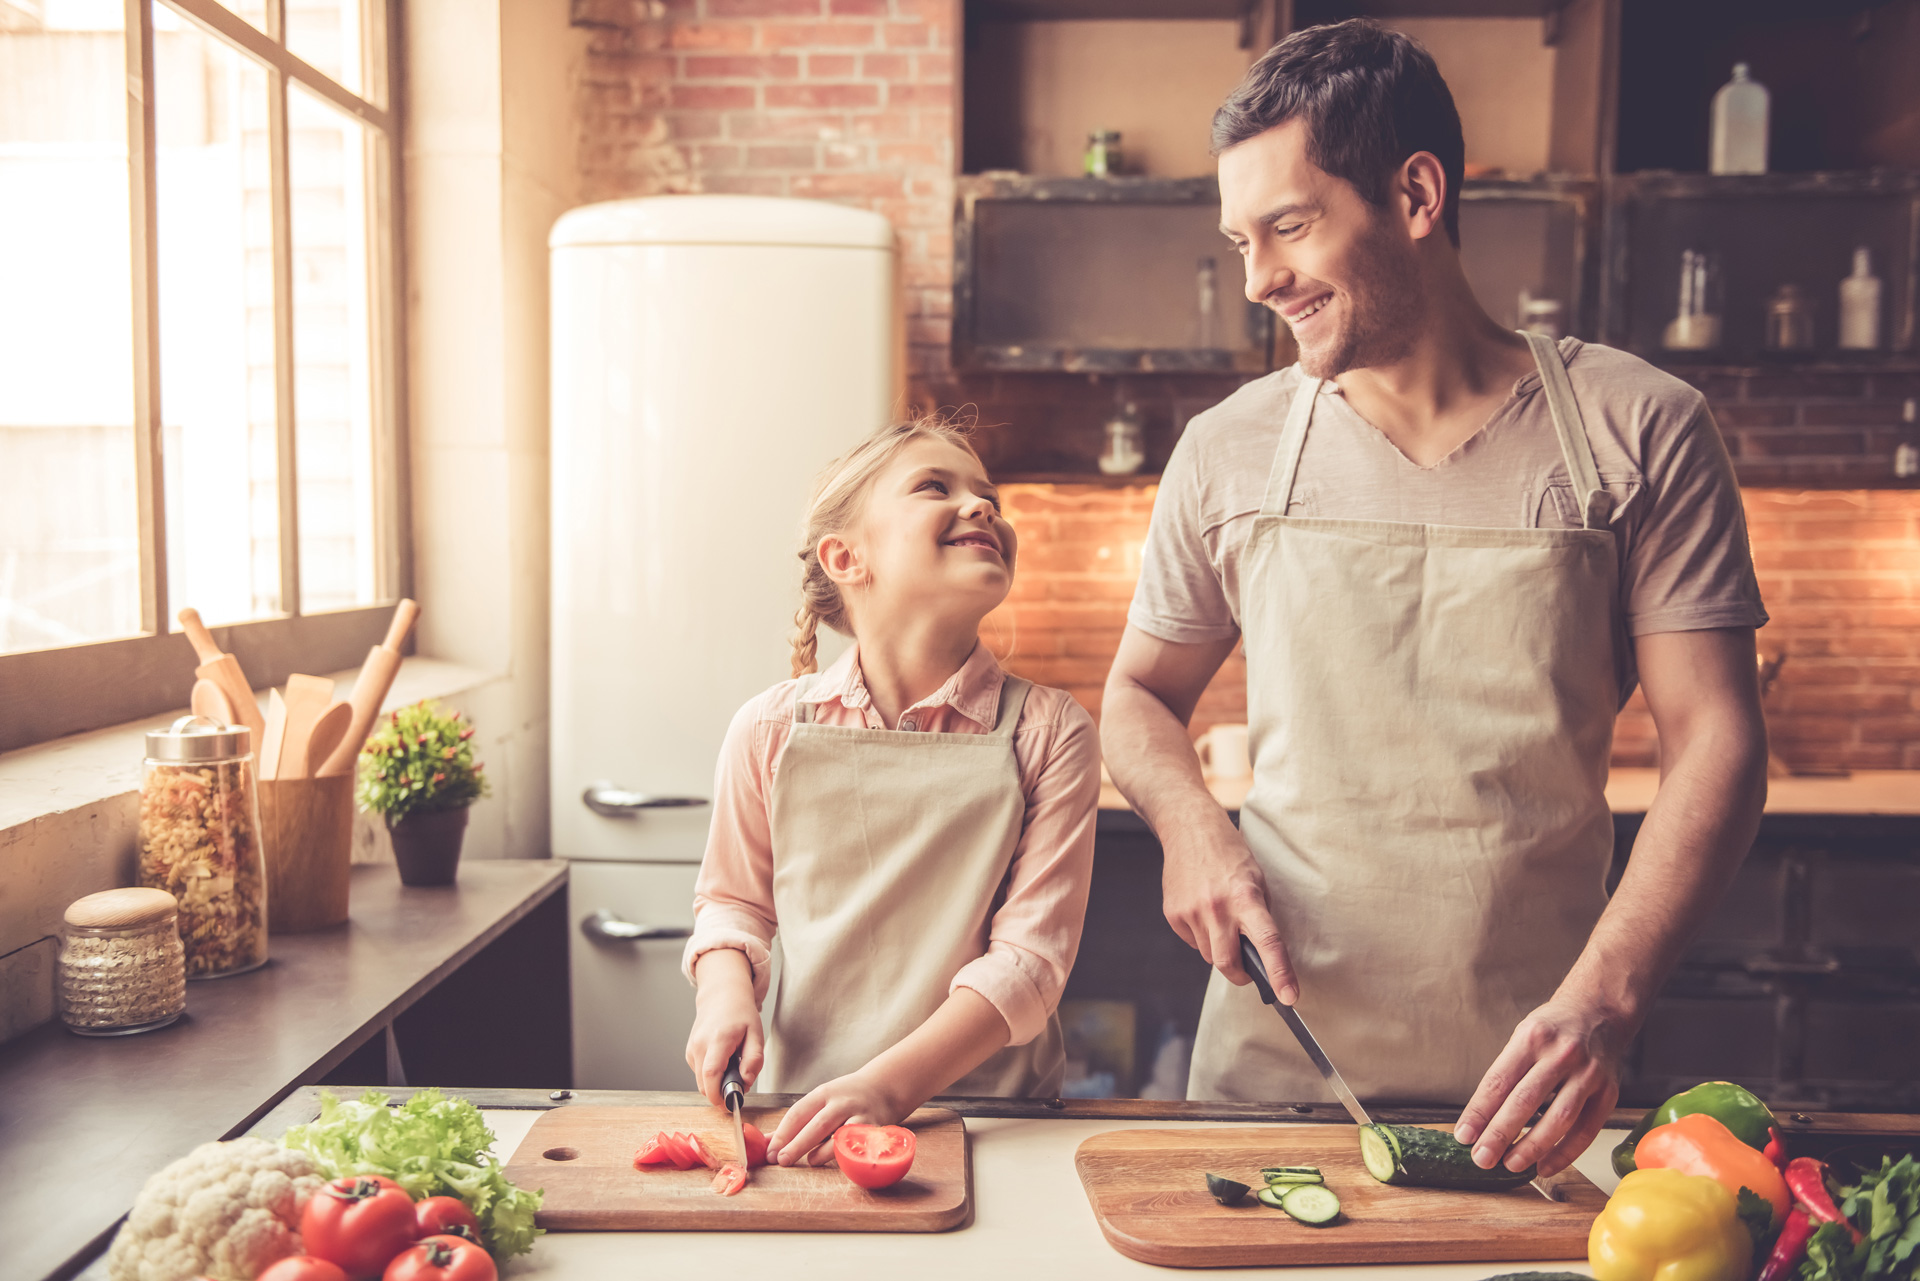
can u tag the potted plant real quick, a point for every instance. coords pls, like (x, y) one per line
(418, 773)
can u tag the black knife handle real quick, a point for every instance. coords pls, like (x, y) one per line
(733, 1086)
(1256, 970)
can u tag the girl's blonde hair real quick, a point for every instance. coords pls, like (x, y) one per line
(837, 499)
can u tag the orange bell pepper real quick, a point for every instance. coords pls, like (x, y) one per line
(1699, 1144)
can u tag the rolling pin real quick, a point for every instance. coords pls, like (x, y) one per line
(370, 690)
(224, 671)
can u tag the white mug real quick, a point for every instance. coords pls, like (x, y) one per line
(1223, 752)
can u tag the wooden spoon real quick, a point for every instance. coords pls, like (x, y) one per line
(208, 701)
(326, 736)
(308, 698)
(267, 763)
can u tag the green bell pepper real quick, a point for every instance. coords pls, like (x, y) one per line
(1750, 1120)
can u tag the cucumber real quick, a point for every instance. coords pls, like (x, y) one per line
(1271, 1195)
(1412, 1156)
(1225, 1191)
(1311, 1204)
(1286, 1178)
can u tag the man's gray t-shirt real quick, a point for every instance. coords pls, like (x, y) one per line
(1680, 533)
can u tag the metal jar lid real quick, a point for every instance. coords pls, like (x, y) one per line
(193, 739)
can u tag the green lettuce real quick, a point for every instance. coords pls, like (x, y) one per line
(431, 1145)
(1885, 1207)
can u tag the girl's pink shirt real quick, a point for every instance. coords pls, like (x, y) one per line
(1035, 929)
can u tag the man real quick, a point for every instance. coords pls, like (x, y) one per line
(1450, 551)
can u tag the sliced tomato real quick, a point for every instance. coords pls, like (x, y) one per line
(677, 1151)
(652, 1152)
(873, 1156)
(730, 1180)
(700, 1151)
(756, 1153)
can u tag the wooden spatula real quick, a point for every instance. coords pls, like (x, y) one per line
(224, 671)
(370, 690)
(208, 701)
(326, 736)
(308, 698)
(267, 763)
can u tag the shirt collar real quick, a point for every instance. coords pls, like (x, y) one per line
(973, 691)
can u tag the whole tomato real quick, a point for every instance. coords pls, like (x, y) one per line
(445, 1216)
(442, 1258)
(302, 1267)
(358, 1222)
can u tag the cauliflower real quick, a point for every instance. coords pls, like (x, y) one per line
(224, 1210)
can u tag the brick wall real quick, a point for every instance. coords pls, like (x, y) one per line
(1840, 570)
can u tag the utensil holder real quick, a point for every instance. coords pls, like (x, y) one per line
(307, 831)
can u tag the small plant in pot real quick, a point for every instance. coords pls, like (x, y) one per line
(417, 772)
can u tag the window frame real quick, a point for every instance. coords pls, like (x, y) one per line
(48, 693)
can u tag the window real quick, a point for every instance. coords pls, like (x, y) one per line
(199, 303)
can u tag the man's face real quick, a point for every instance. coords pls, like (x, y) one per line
(1339, 271)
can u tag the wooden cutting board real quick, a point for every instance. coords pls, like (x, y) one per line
(582, 1157)
(1148, 1189)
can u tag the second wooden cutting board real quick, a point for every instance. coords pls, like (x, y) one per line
(582, 1158)
(1148, 1191)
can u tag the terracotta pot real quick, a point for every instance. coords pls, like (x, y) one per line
(427, 846)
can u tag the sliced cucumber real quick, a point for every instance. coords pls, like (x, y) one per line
(1311, 1204)
(1412, 1156)
(1272, 1195)
(1292, 1174)
(1225, 1191)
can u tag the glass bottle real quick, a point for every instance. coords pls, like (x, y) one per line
(200, 842)
(1103, 153)
(1860, 305)
(1126, 445)
(122, 969)
(1696, 324)
(1739, 137)
(1789, 321)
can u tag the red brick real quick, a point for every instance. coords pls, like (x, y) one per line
(892, 154)
(1855, 756)
(1805, 386)
(1858, 413)
(886, 66)
(763, 8)
(843, 186)
(1817, 699)
(713, 97)
(789, 156)
(745, 184)
(1890, 729)
(740, 66)
(929, 330)
(1803, 443)
(827, 95)
(689, 126)
(907, 35)
(814, 126)
(1763, 414)
(933, 67)
(817, 35)
(846, 155)
(915, 95)
(831, 66)
(710, 35)
(857, 8)
(721, 157)
(883, 124)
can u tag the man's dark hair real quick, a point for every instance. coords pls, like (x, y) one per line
(1370, 98)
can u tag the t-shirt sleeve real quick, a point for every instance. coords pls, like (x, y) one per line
(1689, 566)
(1180, 596)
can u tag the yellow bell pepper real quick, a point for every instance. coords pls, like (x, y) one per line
(1662, 1225)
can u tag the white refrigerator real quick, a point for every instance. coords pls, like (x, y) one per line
(710, 355)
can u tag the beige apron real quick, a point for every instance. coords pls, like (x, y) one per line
(1432, 711)
(890, 851)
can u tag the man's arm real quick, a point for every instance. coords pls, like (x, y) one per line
(1702, 690)
(1213, 890)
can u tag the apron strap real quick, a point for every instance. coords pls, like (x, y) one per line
(1286, 458)
(1013, 697)
(1596, 503)
(802, 710)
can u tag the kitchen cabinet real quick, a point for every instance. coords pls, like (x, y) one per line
(632, 1007)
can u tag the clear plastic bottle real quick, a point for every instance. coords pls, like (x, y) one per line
(1739, 138)
(1860, 305)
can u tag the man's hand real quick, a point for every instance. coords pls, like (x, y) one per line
(805, 1134)
(1213, 893)
(725, 1019)
(1566, 1052)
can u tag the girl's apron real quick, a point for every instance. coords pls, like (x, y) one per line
(890, 852)
(1432, 711)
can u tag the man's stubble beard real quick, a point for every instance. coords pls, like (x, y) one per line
(1384, 307)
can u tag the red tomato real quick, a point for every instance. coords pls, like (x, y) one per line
(677, 1151)
(442, 1258)
(302, 1267)
(358, 1223)
(730, 1180)
(652, 1152)
(445, 1214)
(701, 1154)
(756, 1144)
(873, 1156)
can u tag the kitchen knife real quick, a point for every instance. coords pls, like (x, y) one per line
(1256, 970)
(733, 1091)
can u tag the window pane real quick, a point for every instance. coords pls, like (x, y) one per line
(331, 36)
(333, 343)
(69, 537)
(217, 394)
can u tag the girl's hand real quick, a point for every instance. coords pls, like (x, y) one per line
(725, 1019)
(805, 1133)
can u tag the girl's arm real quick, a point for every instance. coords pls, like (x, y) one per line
(962, 1034)
(725, 1018)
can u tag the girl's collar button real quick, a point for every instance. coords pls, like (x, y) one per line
(909, 725)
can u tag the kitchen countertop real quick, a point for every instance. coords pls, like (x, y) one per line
(84, 1121)
(1887, 793)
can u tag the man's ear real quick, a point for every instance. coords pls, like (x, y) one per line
(841, 561)
(1421, 189)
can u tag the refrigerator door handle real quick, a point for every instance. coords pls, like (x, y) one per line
(614, 801)
(606, 927)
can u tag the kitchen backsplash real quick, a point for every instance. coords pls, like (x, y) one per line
(1839, 569)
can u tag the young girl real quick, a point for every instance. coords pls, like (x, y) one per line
(915, 824)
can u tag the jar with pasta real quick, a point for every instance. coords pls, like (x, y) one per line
(200, 842)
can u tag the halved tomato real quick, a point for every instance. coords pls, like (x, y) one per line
(700, 1152)
(730, 1180)
(756, 1152)
(873, 1156)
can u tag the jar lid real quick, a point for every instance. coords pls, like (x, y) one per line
(122, 909)
(196, 738)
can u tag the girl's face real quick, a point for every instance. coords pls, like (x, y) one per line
(930, 538)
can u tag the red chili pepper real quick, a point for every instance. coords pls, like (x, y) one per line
(1789, 1249)
(1776, 1149)
(1807, 1180)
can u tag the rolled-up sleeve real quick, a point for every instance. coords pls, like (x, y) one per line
(1036, 931)
(733, 899)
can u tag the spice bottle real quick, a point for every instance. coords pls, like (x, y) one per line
(200, 842)
(1739, 140)
(1860, 305)
(122, 969)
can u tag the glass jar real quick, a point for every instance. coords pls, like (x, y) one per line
(1103, 153)
(1126, 444)
(200, 842)
(122, 969)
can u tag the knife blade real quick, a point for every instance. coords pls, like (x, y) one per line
(1257, 970)
(733, 1091)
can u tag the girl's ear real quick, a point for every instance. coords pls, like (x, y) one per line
(841, 561)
